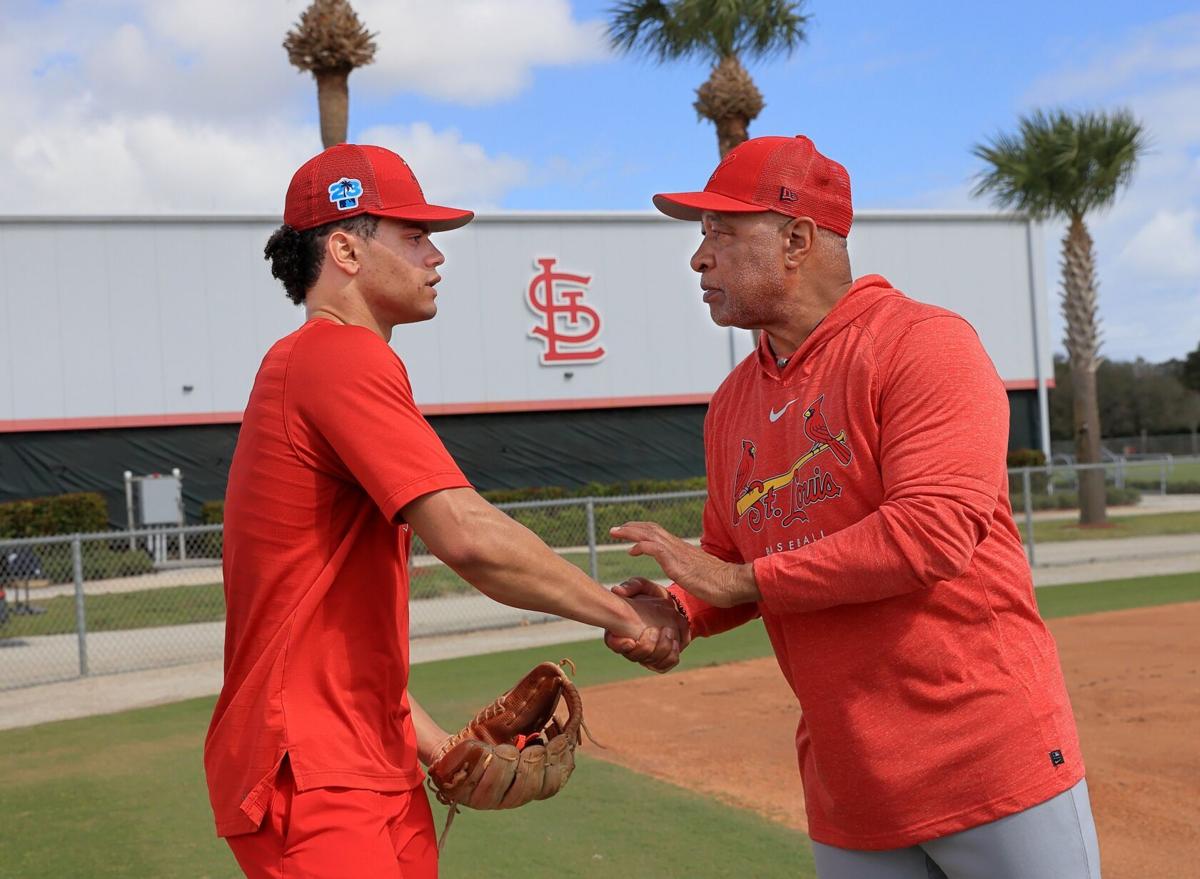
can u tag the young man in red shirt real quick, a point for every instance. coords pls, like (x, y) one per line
(312, 754)
(858, 502)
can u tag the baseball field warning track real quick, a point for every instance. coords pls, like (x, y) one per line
(1134, 678)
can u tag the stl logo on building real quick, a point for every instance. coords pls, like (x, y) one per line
(568, 327)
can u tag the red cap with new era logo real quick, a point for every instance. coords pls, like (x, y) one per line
(782, 174)
(351, 179)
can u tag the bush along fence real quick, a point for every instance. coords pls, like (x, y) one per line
(84, 604)
(64, 514)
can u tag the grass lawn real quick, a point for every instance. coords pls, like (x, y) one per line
(1077, 599)
(145, 608)
(1184, 471)
(1055, 530)
(123, 795)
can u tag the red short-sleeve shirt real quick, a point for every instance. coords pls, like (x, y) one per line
(331, 448)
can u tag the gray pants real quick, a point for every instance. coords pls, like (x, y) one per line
(1053, 840)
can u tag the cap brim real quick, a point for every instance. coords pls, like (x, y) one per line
(690, 205)
(436, 217)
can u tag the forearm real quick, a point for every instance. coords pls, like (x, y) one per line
(902, 547)
(507, 562)
(429, 733)
(513, 566)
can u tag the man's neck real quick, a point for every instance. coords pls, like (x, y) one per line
(346, 312)
(798, 324)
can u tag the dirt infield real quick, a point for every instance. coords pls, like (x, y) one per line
(1134, 678)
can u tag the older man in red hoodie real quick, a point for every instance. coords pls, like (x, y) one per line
(858, 502)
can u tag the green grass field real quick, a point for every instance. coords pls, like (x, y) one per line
(179, 605)
(1052, 531)
(123, 795)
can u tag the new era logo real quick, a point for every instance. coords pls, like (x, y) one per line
(786, 194)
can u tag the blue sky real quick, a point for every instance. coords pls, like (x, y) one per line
(185, 106)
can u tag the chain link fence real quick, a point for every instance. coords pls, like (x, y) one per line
(1127, 480)
(86, 604)
(100, 603)
(1186, 444)
(89, 604)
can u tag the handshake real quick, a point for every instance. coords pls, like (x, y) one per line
(665, 629)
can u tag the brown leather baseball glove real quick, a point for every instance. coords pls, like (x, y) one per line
(514, 750)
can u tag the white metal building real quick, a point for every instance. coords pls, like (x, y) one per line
(136, 332)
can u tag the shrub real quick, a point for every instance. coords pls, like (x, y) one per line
(1185, 486)
(1069, 500)
(47, 516)
(595, 489)
(1026, 458)
(212, 512)
(100, 562)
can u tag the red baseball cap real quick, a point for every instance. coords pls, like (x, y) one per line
(782, 174)
(351, 179)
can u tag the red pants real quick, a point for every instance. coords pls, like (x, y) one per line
(338, 833)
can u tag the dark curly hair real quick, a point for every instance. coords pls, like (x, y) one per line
(296, 257)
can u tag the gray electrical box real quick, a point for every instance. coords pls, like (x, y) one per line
(160, 500)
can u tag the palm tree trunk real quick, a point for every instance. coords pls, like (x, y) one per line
(333, 103)
(1083, 345)
(730, 99)
(731, 131)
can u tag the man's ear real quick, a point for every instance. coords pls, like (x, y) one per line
(344, 250)
(801, 234)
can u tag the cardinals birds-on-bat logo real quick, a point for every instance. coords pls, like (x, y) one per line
(817, 430)
(757, 497)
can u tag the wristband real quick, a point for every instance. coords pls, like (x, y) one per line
(680, 608)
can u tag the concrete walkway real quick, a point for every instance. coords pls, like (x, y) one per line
(108, 693)
(195, 671)
(1150, 505)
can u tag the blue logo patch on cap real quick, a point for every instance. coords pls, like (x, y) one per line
(346, 193)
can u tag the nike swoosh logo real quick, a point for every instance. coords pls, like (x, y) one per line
(775, 416)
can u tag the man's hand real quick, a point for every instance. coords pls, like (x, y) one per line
(655, 656)
(665, 635)
(719, 583)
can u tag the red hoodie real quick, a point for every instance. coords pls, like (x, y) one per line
(866, 482)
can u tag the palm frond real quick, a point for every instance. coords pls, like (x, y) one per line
(329, 36)
(668, 30)
(1061, 164)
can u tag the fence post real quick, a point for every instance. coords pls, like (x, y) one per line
(1027, 489)
(593, 561)
(80, 620)
(1162, 476)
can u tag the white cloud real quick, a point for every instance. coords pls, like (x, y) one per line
(1163, 48)
(1148, 244)
(1167, 245)
(473, 51)
(450, 169)
(121, 106)
(152, 164)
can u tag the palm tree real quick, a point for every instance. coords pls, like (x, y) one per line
(721, 31)
(330, 41)
(1065, 166)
